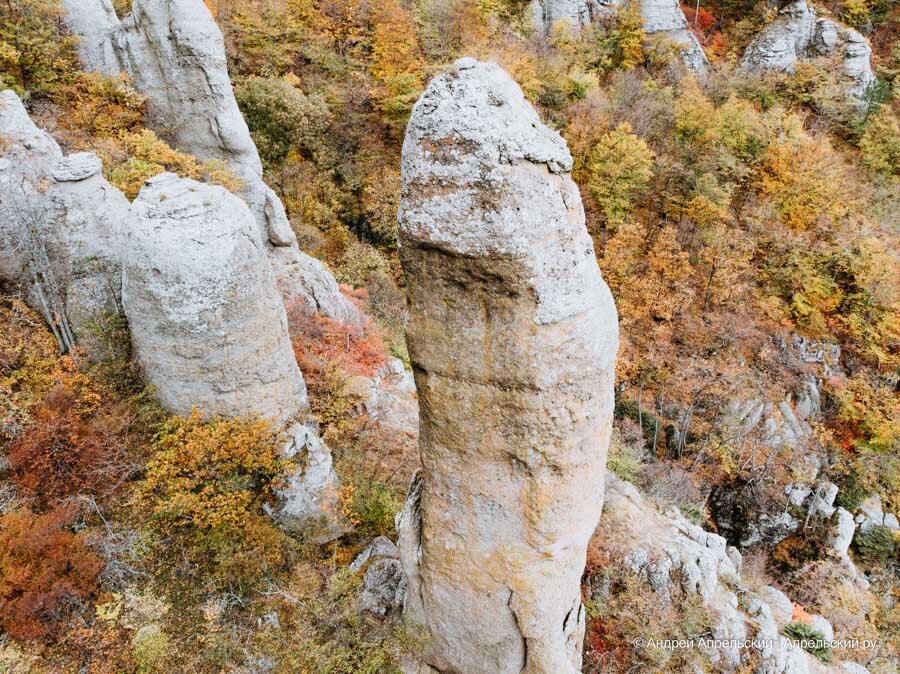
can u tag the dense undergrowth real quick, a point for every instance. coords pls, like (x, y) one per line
(726, 214)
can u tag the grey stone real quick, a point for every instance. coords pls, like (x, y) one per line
(512, 329)
(662, 18)
(210, 335)
(60, 223)
(797, 35)
(309, 502)
(781, 606)
(175, 55)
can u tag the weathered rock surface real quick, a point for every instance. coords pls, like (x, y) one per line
(662, 18)
(210, 335)
(871, 515)
(513, 330)
(175, 55)
(59, 226)
(674, 556)
(798, 35)
(384, 585)
(578, 13)
(308, 500)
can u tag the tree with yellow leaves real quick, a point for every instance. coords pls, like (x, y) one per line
(618, 170)
(396, 63)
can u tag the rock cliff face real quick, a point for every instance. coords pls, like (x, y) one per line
(671, 556)
(661, 17)
(513, 330)
(579, 13)
(211, 335)
(797, 35)
(59, 226)
(175, 55)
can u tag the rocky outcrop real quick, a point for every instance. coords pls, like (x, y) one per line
(579, 14)
(662, 18)
(210, 332)
(384, 585)
(175, 55)
(309, 497)
(213, 334)
(512, 329)
(207, 323)
(675, 558)
(59, 227)
(798, 35)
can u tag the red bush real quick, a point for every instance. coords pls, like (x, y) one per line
(46, 571)
(64, 453)
(319, 341)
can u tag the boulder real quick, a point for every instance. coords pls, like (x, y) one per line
(60, 224)
(309, 497)
(384, 585)
(798, 35)
(871, 514)
(175, 55)
(207, 324)
(512, 329)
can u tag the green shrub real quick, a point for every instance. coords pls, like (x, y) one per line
(880, 144)
(877, 546)
(812, 641)
(149, 648)
(280, 116)
(371, 507)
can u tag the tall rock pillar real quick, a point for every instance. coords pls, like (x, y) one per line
(513, 337)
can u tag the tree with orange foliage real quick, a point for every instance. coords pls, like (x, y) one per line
(396, 62)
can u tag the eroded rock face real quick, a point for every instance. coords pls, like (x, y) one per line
(207, 323)
(578, 13)
(663, 18)
(175, 55)
(798, 35)
(676, 559)
(513, 330)
(59, 227)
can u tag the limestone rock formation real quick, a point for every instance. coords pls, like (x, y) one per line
(798, 35)
(671, 555)
(207, 323)
(663, 18)
(309, 501)
(512, 335)
(578, 13)
(384, 585)
(175, 55)
(59, 226)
